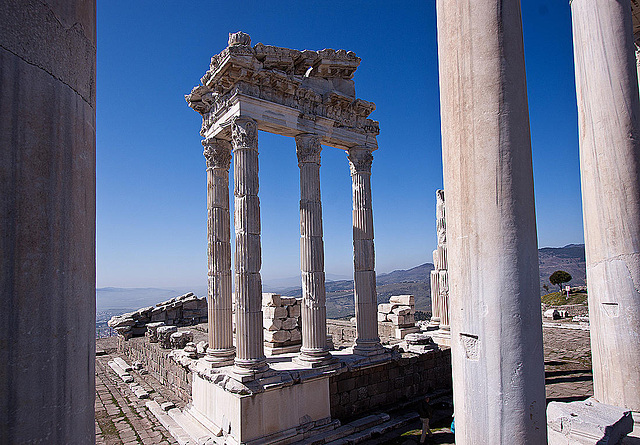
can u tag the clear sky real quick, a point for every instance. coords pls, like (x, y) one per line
(151, 179)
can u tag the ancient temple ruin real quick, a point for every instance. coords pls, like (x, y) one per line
(440, 278)
(308, 95)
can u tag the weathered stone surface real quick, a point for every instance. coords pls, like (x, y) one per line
(271, 299)
(277, 336)
(587, 422)
(496, 328)
(275, 312)
(608, 118)
(405, 300)
(164, 335)
(47, 221)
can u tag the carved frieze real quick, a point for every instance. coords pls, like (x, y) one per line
(217, 153)
(286, 77)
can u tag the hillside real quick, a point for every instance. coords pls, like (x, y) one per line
(415, 281)
(570, 258)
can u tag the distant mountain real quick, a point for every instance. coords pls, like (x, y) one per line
(414, 281)
(570, 258)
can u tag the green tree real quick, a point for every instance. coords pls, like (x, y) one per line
(560, 277)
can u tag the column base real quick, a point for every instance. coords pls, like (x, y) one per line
(314, 358)
(218, 358)
(368, 348)
(247, 370)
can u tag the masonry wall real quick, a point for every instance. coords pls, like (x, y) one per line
(156, 360)
(378, 387)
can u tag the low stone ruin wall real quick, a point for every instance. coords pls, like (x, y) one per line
(355, 392)
(185, 310)
(157, 362)
(400, 312)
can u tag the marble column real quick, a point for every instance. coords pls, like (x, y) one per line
(364, 275)
(496, 322)
(250, 358)
(609, 130)
(314, 312)
(47, 221)
(217, 153)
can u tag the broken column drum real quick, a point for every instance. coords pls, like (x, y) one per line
(495, 317)
(609, 124)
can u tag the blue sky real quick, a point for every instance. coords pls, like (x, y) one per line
(151, 179)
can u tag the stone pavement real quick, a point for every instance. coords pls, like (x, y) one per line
(121, 417)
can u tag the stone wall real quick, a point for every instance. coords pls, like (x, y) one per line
(185, 310)
(158, 363)
(358, 391)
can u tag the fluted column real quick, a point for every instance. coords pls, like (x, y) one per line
(364, 275)
(250, 357)
(314, 312)
(609, 124)
(217, 153)
(496, 322)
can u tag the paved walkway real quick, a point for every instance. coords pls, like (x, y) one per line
(121, 417)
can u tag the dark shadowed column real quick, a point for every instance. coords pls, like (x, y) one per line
(47, 221)
(609, 124)
(495, 316)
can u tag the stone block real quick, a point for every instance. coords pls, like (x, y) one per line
(401, 310)
(164, 335)
(405, 300)
(272, 324)
(274, 312)
(288, 301)
(382, 316)
(271, 300)
(552, 313)
(385, 308)
(289, 323)
(296, 335)
(587, 422)
(280, 336)
(294, 311)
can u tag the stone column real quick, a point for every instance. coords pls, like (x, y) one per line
(250, 358)
(496, 322)
(47, 221)
(608, 117)
(217, 153)
(364, 275)
(314, 312)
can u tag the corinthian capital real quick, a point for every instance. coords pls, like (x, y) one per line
(308, 149)
(244, 133)
(217, 153)
(360, 160)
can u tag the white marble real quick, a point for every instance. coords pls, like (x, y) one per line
(496, 326)
(250, 359)
(314, 313)
(367, 341)
(609, 120)
(221, 351)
